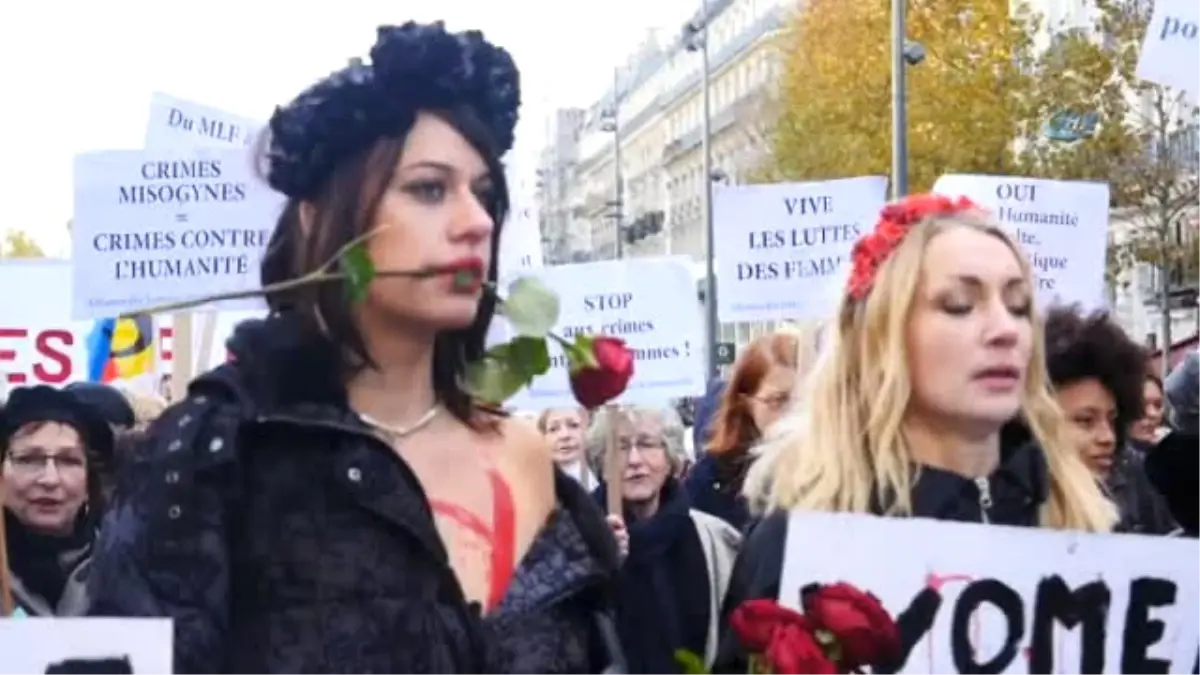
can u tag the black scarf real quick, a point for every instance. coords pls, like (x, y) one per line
(664, 591)
(42, 561)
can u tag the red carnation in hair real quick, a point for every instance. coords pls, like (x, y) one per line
(895, 220)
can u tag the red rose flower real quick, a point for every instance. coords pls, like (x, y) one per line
(603, 380)
(755, 621)
(793, 649)
(864, 630)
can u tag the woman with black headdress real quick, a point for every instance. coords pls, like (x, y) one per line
(48, 440)
(333, 500)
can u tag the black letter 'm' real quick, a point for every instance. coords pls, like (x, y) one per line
(1087, 606)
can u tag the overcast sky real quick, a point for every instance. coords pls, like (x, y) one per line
(77, 76)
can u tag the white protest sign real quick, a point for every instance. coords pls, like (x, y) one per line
(1061, 225)
(41, 344)
(520, 242)
(783, 245)
(177, 123)
(98, 645)
(648, 302)
(153, 227)
(1171, 49)
(994, 599)
(520, 250)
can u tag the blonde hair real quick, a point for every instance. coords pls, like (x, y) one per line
(146, 407)
(845, 444)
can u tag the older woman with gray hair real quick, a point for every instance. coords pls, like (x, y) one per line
(677, 569)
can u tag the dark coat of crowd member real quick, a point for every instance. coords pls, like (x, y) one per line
(334, 499)
(47, 440)
(1173, 464)
(1098, 374)
(758, 392)
(679, 559)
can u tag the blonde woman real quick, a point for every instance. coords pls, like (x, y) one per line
(564, 429)
(929, 399)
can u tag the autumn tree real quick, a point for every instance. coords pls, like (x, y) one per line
(1137, 136)
(17, 244)
(966, 101)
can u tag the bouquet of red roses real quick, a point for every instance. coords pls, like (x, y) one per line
(842, 630)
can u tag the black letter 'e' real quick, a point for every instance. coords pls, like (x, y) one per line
(1008, 602)
(1057, 602)
(1140, 630)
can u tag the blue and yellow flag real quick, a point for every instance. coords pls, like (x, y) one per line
(121, 349)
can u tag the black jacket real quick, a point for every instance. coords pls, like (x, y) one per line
(1018, 488)
(1142, 509)
(1173, 468)
(282, 536)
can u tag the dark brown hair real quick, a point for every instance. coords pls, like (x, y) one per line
(343, 209)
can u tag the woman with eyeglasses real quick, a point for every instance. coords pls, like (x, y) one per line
(47, 439)
(758, 392)
(678, 560)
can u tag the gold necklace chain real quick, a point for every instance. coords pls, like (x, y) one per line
(396, 432)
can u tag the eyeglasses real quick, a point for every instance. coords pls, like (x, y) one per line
(642, 444)
(774, 401)
(36, 465)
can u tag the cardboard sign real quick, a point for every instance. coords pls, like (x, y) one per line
(99, 645)
(785, 247)
(994, 599)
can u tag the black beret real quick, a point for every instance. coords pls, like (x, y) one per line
(110, 403)
(41, 403)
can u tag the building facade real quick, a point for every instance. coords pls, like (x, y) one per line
(652, 118)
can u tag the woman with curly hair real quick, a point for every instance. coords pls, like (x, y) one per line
(1099, 375)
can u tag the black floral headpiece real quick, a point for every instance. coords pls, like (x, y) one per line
(412, 67)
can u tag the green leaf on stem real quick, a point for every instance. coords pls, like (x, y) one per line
(690, 663)
(494, 380)
(359, 271)
(529, 355)
(531, 308)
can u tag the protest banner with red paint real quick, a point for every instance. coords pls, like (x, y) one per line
(41, 344)
(974, 598)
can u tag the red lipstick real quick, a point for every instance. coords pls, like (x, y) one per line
(465, 275)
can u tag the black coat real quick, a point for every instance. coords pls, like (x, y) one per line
(1018, 488)
(282, 536)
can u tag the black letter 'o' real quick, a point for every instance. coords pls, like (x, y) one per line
(1009, 603)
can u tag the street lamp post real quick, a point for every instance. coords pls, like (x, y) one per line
(904, 53)
(697, 40)
(899, 110)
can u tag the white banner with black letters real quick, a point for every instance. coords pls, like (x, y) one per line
(993, 599)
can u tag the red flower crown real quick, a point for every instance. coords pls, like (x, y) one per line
(895, 221)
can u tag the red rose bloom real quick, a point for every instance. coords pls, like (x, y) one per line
(865, 631)
(595, 385)
(793, 649)
(755, 621)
